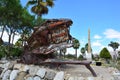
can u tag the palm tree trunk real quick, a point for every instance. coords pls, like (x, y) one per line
(9, 39)
(76, 53)
(64, 55)
(2, 32)
(13, 37)
(115, 54)
(22, 36)
(60, 54)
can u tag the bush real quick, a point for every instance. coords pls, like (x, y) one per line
(2, 51)
(80, 57)
(1, 41)
(15, 51)
(70, 56)
(104, 53)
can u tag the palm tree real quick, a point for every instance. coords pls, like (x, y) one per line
(3, 15)
(40, 7)
(83, 51)
(86, 47)
(76, 45)
(114, 45)
(64, 51)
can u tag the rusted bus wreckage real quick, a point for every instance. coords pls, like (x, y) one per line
(47, 38)
(51, 32)
(51, 36)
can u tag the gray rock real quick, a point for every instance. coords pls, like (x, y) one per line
(76, 78)
(36, 78)
(90, 78)
(1, 69)
(59, 76)
(6, 75)
(50, 75)
(6, 65)
(3, 61)
(2, 65)
(4, 70)
(14, 74)
(116, 73)
(33, 70)
(29, 78)
(17, 66)
(41, 72)
(81, 78)
(21, 75)
(11, 65)
(24, 68)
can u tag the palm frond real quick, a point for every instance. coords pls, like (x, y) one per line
(50, 3)
(44, 4)
(43, 10)
(31, 3)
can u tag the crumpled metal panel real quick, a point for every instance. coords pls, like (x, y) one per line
(54, 31)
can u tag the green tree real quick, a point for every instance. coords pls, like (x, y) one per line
(11, 12)
(104, 53)
(40, 7)
(86, 47)
(64, 51)
(80, 57)
(76, 45)
(3, 11)
(14, 18)
(114, 45)
(38, 21)
(83, 51)
(26, 26)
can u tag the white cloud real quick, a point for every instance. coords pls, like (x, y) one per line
(96, 44)
(97, 37)
(111, 33)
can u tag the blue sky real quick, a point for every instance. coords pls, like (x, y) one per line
(101, 16)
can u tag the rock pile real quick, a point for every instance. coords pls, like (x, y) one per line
(15, 71)
(11, 70)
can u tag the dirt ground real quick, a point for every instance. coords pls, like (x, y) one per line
(106, 73)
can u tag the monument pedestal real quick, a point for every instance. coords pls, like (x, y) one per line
(89, 56)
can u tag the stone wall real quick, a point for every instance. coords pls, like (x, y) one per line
(14, 71)
(11, 70)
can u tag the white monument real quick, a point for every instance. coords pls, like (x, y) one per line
(89, 54)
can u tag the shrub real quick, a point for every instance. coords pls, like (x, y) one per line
(70, 56)
(80, 57)
(15, 51)
(2, 51)
(104, 53)
(1, 41)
